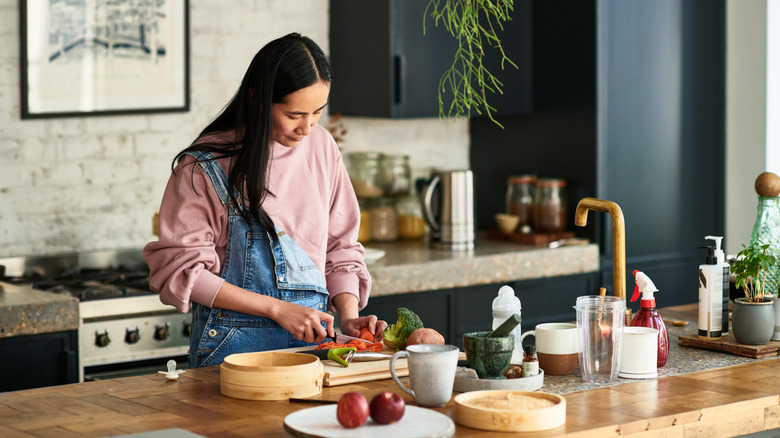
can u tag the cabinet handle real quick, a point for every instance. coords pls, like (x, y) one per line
(398, 81)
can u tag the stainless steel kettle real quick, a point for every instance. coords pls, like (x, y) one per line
(448, 208)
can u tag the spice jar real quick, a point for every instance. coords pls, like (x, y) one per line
(364, 173)
(530, 362)
(384, 220)
(411, 224)
(520, 195)
(364, 232)
(395, 175)
(551, 212)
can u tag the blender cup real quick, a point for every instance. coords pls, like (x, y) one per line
(600, 321)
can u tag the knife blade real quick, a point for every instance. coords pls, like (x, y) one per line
(344, 339)
(358, 356)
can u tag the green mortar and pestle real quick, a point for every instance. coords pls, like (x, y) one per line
(490, 353)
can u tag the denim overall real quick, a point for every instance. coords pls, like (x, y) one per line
(254, 262)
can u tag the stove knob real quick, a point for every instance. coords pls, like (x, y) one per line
(133, 336)
(102, 339)
(162, 333)
(187, 330)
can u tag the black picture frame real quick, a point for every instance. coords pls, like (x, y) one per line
(115, 57)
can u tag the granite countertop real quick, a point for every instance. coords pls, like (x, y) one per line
(25, 311)
(414, 266)
(407, 266)
(682, 360)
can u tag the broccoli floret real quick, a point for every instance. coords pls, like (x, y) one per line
(395, 335)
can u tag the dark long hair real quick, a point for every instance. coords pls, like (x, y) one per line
(281, 67)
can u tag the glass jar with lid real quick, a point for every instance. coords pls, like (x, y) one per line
(551, 211)
(395, 175)
(520, 195)
(363, 171)
(411, 224)
(384, 220)
(364, 232)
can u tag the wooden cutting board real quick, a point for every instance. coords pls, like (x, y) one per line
(728, 344)
(336, 374)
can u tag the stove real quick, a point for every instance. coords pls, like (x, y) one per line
(124, 329)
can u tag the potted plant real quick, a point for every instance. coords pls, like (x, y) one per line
(753, 317)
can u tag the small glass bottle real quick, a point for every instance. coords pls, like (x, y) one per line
(411, 224)
(395, 175)
(530, 362)
(520, 194)
(364, 173)
(384, 220)
(551, 211)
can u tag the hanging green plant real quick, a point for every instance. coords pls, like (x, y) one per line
(474, 23)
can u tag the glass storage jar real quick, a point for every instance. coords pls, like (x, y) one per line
(520, 194)
(363, 171)
(384, 220)
(364, 232)
(411, 224)
(551, 211)
(395, 175)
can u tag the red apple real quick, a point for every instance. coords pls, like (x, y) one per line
(387, 407)
(352, 410)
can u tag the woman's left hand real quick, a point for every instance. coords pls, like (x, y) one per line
(352, 326)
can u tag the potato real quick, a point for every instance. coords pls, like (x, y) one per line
(425, 336)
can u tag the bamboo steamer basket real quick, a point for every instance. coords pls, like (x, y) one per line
(518, 416)
(270, 376)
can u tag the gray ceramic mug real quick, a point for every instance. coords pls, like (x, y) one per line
(431, 371)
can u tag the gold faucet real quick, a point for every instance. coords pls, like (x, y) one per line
(618, 237)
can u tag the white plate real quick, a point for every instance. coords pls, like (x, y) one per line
(416, 423)
(373, 254)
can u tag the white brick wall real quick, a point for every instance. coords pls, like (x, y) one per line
(74, 184)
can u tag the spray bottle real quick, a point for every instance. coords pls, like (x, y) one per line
(648, 315)
(505, 305)
(726, 271)
(710, 296)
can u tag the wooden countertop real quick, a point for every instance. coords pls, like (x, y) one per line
(719, 402)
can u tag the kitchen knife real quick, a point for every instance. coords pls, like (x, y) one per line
(357, 356)
(344, 339)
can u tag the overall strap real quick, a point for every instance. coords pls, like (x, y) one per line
(219, 179)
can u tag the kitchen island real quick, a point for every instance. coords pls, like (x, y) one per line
(724, 401)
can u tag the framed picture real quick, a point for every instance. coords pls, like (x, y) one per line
(103, 57)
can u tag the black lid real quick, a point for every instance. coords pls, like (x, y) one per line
(530, 349)
(711, 259)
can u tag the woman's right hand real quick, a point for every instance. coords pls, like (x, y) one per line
(304, 323)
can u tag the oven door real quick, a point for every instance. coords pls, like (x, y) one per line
(131, 336)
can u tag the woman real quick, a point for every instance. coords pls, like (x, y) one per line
(259, 222)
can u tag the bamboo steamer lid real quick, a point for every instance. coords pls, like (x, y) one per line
(270, 376)
(510, 411)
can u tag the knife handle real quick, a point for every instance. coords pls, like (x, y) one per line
(322, 354)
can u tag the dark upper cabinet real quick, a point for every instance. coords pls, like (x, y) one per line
(385, 65)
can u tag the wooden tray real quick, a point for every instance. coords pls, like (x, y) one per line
(519, 418)
(728, 344)
(537, 239)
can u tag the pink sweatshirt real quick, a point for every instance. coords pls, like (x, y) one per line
(314, 203)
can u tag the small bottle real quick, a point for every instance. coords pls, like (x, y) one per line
(710, 297)
(648, 316)
(726, 272)
(530, 362)
(505, 305)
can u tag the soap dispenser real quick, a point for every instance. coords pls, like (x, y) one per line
(648, 315)
(710, 296)
(505, 305)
